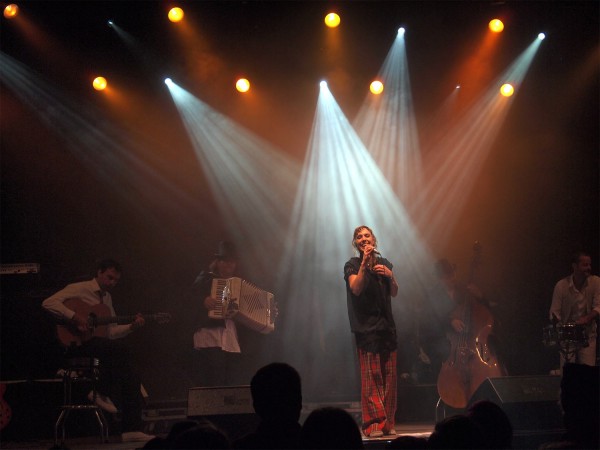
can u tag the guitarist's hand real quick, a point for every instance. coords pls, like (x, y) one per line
(138, 322)
(81, 322)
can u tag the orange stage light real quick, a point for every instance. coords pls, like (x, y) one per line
(496, 26)
(332, 20)
(11, 11)
(242, 85)
(176, 14)
(376, 87)
(99, 83)
(507, 90)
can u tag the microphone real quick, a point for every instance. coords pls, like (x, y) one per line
(376, 256)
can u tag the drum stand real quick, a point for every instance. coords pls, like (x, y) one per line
(569, 350)
(569, 340)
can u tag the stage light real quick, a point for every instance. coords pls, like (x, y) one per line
(110, 23)
(507, 90)
(496, 26)
(323, 84)
(332, 20)
(100, 83)
(175, 14)
(458, 86)
(242, 85)
(11, 11)
(168, 81)
(401, 31)
(541, 36)
(376, 87)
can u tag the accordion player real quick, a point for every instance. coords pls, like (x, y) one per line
(244, 303)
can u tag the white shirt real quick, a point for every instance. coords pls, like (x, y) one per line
(88, 292)
(570, 304)
(224, 338)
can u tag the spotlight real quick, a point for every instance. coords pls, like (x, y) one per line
(168, 81)
(458, 86)
(541, 36)
(507, 90)
(332, 20)
(323, 84)
(176, 14)
(110, 23)
(242, 85)
(496, 26)
(376, 87)
(99, 83)
(401, 31)
(11, 11)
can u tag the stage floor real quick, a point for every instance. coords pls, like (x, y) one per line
(535, 420)
(93, 443)
(522, 440)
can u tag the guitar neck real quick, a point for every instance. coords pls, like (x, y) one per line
(124, 320)
(121, 320)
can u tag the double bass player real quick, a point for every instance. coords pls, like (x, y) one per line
(472, 356)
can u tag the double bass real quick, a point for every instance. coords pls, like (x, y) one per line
(471, 360)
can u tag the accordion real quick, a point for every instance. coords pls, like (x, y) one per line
(244, 303)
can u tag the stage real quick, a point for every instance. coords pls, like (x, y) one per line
(522, 440)
(93, 443)
(529, 402)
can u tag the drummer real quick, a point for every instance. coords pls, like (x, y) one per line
(576, 302)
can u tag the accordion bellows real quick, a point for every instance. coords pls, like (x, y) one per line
(244, 303)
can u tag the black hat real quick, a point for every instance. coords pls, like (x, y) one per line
(226, 250)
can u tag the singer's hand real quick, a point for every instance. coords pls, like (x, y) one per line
(368, 249)
(380, 269)
(367, 255)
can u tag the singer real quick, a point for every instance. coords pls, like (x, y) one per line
(370, 286)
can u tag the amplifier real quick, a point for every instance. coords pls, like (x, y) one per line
(212, 401)
(19, 268)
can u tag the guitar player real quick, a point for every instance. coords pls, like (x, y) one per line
(119, 380)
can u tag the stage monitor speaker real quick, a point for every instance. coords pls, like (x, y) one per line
(530, 402)
(229, 408)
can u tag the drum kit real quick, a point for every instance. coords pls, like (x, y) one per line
(569, 337)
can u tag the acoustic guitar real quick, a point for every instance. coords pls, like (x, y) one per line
(98, 318)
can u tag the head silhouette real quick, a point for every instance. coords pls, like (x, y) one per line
(494, 423)
(332, 428)
(277, 392)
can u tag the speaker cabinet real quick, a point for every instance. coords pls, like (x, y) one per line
(531, 402)
(229, 408)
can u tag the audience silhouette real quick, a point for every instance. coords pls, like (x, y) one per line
(277, 399)
(191, 434)
(456, 432)
(580, 402)
(408, 443)
(205, 435)
(493, 422)
(330, 428)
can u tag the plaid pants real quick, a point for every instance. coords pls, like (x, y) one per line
(378, 390)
